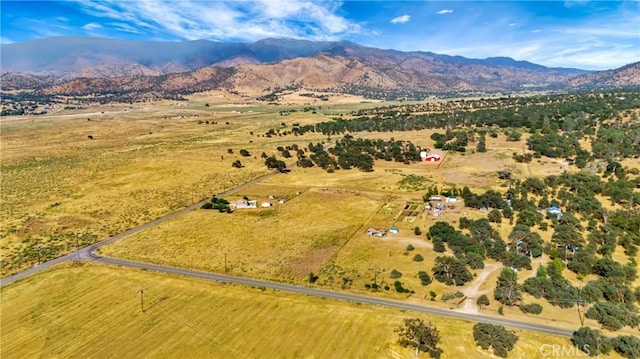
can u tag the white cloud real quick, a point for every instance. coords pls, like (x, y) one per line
(241, 20)
(120, 26)
(401, 19)
(5, 41)
(92, 26)
(444, 12)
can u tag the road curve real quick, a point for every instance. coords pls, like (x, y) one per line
(85, 253)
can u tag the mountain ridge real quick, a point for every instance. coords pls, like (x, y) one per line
(50, 56)
(264, 68)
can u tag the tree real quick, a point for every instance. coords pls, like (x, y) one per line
(418, 258)
(482, 301)
(244, 153)
(507, 291)
(237, 164)
(496, 337)
(495, 216)
(421, 336)
(628, 346)
(450, 270)
(591, 341)
(482, 144)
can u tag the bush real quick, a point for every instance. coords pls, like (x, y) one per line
(417, 231)
(532, 308)
(207, 205)
(395, 274)
(399, 288)
(501, 310)
(425, 279)
(410, 248)
(418, 258)
(448, 296)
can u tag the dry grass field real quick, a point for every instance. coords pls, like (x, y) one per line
(284, 242)
(94, 311)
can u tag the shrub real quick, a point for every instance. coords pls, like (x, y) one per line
(410, 247)
(418, 258)
(425, 279)
(532, 308)
(395, 274)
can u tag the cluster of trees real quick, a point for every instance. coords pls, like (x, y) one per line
(273, 163)
(425, 337)
(577, 114)
(350, 152)
(584, 250)
(594, 343)
(220, 204)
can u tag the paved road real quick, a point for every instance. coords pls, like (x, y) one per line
(89, 254)
(340, 296)
(85, 253)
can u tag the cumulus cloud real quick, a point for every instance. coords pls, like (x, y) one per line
(401, 19)
(444, 12)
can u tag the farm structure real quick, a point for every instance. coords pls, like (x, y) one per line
(432, 158)
(376, 232)
(244, 203)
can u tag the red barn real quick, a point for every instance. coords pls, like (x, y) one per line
(432, 158)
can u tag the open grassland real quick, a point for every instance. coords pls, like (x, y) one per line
(94, 310)
(60, 188)
(284, 242)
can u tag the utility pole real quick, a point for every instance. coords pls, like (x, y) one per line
(38, 248)
(142, 292)
(578, 305)
(78, 247)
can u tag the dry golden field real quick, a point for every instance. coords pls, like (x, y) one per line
(75, 176)
(94, 311)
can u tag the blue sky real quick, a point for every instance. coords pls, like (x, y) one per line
(585, 34)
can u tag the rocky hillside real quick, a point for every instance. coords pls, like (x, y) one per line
(626, 76)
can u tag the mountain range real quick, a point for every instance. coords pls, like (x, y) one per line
(99, 66)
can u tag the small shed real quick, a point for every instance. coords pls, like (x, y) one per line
(394, 230)
(452, 199)
(266, 204)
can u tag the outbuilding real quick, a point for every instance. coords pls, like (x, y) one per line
(432, 158)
